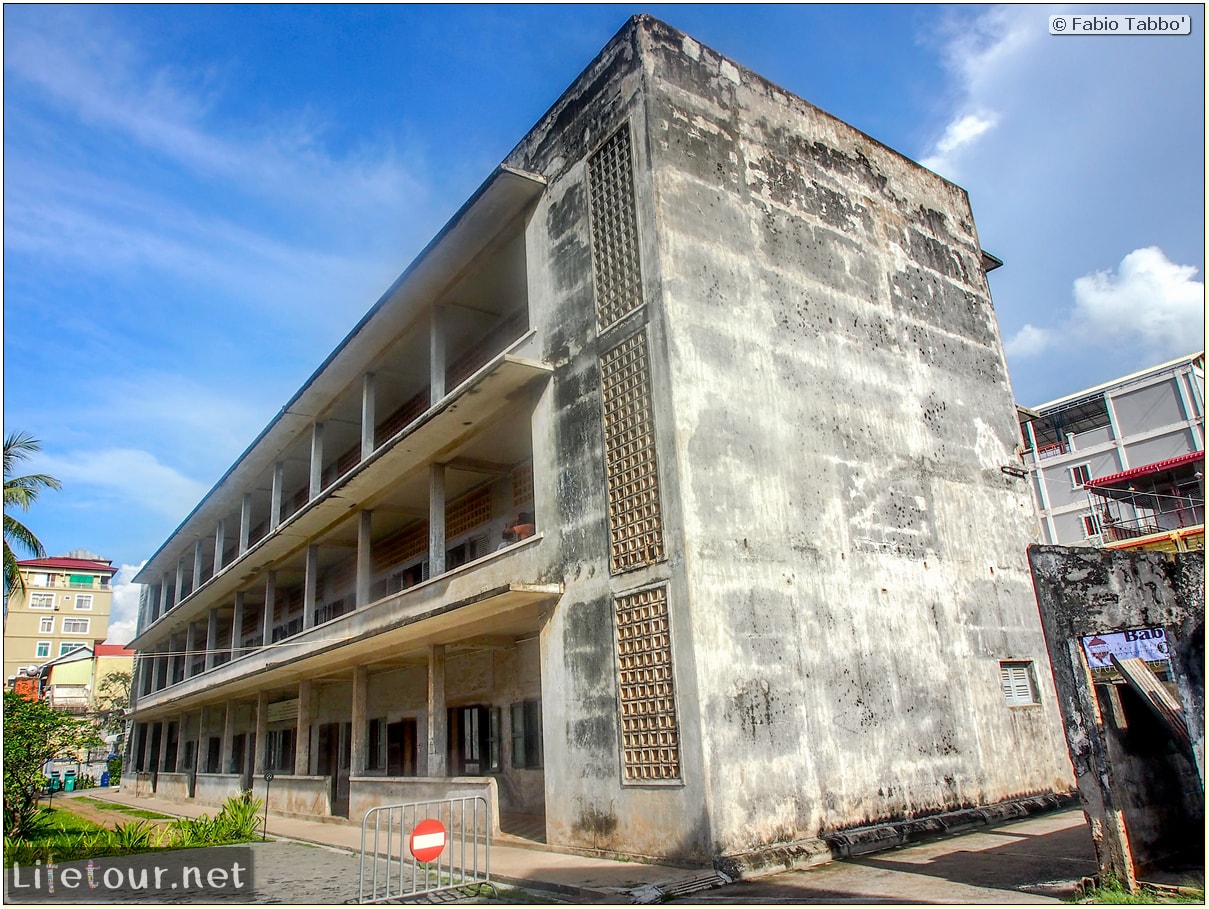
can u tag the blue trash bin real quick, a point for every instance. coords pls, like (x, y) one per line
(104, 777)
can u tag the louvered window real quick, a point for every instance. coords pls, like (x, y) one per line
(1016, 680)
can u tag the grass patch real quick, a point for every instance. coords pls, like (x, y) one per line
(1111, 892)
(125, 809)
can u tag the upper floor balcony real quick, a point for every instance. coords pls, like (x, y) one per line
(417, 385)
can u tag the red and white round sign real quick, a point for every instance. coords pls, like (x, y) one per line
(427, 840)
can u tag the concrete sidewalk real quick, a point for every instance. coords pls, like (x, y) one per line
(578, 878)
(1036, 860)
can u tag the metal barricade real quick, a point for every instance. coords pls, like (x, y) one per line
(390, 869)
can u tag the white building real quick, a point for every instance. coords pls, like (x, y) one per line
(663, 498)
(1125, 426)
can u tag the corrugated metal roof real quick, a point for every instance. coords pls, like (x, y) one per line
(1156, 467)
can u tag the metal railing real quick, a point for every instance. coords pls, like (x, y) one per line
(391, 871)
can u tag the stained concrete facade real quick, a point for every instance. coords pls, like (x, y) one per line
(773, 578)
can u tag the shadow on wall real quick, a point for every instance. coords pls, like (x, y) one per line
(1126, 637)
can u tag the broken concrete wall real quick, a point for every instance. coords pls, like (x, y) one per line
(1143, 794)
(842, 411)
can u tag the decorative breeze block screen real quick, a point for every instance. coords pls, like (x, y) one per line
(650, 739)
(468, 512)
(635, 523)
(614, 230)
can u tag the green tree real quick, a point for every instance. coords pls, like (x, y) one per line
(113, 697)
(34, 733)
(20, 492)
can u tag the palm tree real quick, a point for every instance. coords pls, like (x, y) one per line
(20, 492)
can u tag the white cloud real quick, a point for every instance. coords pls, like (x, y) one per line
(127, 475)
(1149, 302)
(123, 617)
(1030, 341)
(962, 132)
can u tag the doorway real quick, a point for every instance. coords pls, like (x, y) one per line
(335, 758)
(402, 748)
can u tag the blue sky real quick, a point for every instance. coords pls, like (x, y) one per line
(200, 201)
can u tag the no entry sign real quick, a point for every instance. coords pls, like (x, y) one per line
(427, 840)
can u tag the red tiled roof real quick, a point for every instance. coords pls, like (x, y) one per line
(1157, 467)
(71, 564)
(112, 650)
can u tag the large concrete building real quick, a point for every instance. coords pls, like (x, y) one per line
(1122, 464)
(671, 495)
(65, 605)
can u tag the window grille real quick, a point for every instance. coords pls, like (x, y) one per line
(614, 230)
(522, 485)
(76, 626)
(468, 512)
(649, 728)
(635, 522)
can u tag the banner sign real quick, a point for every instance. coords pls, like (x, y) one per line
(1150, 644)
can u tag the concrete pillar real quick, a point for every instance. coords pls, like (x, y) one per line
(316, 460)
(438, 733)
(145, 748)
(368, 426)
(302, 735)
(360, 727)
(310, 586)
(270, 604)
(436, 520)
(197, 566)
(178, 658)
(220, 542)
(163, 761)
(228, 739)
(262, 732)
(365, 563)
(180, 581)
(181, 726)
(211, 638)
(190, 648)
(437, 355)
(166, 601)
(161, 675)
(245, 522)
(275, 498)
(237, 626)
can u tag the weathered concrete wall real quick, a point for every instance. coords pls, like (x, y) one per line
(174, 786)
(366, 792)
(841, 410)
(1144, 799)
(300, 796)
(586, 804)
(215, 788)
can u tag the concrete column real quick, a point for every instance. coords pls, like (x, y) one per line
(237, 626)
(360, 728)
(437, 355)
(163, 761)
(220, 542)
(180, 581)
(275, 498)
(228, 739)
(316, 459)
(131, 753)
(245, 522)
(177, 662)
(262, 732)
(310, 586)
(436, 519)
(181, 725)
(270, 603)
(302, 735)
(211, 638)
(145, 748)
(365, 563)
(197, 565)
(368, 424)
(1114, 427)
(190, 648)
(438, 733)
